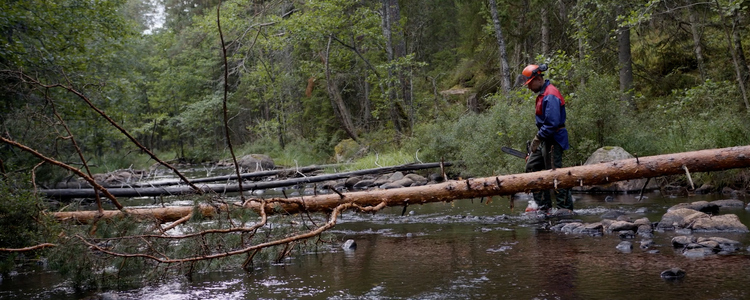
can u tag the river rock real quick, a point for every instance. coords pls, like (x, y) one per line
(729, 203)
(682, 241)
(417, 179)
(702, 206)
(645, 231)
(396, 176)
(726, 223)
(383, 179)
(705, 189)
(256, 162)
(609, 154)
(724, 244)
(403, 182)
(646, 243)
(621, 226)
(363, 184)
(349, 245)
(625, 246)
(642, 221)
(351, 181)
(697, 252)
(626, 234)
(568, 228)
(678, 218)
(673, 274)
(435, 177)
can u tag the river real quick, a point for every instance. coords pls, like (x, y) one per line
(467, 249)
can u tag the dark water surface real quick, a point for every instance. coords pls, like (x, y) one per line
(467, 249)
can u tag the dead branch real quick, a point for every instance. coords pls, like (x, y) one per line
(40, 246)
(209, 256)
(89, 179)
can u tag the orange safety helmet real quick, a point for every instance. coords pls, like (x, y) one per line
(531, 71)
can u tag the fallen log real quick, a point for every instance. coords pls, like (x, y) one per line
(644, 167)
(227, 188)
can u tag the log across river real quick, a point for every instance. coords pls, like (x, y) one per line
(595, 174)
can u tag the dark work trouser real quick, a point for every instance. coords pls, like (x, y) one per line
(549, 154)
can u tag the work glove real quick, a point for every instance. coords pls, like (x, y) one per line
(535, 143)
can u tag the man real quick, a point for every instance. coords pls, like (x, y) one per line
(552, 138)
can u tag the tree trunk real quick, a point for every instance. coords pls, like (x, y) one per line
(744, 73)
(393, 47)
(339, 107)
(729, 32)
(696, 31)
(228, 188)
(602, 173)
(625, 60)
(545, 29)
(504, 69)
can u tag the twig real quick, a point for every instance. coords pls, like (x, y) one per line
(640, 196)
(331, 222)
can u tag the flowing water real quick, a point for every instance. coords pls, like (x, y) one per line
(467, 249)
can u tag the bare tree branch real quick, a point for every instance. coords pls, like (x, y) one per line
(88, 178)
(40, 246)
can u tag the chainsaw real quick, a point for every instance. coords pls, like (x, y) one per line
(517, 153)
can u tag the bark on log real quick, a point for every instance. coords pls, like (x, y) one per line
(227, 188)
(645, 167)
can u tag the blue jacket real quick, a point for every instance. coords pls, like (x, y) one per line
(550, 115)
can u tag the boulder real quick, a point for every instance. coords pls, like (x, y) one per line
(346, 150)
(702, 206)
(256, 162)
(725, 223)
(609, 154)
(678, 218)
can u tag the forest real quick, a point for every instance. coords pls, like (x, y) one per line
(96, 86)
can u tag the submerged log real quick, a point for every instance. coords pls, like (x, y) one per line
(227, 188)
(645, 167)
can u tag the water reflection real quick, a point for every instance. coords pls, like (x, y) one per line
(464, 250)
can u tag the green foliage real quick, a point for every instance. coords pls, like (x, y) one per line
(703, 129)
(21, 220)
